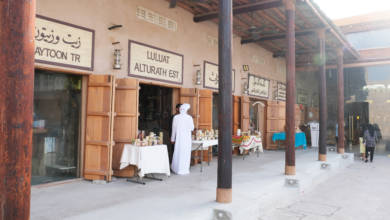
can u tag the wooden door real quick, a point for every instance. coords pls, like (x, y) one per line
(276, 120)
(236, 114)
(191, 96)
(245, 117)
(205, 109)
(261, 117)
(98, 130)
(205, 120)
(125, 121)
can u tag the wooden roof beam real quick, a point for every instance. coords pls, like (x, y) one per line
(302, 52)
(263, 5)
(278, 36)
(333, 29)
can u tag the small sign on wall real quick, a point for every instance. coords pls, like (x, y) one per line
(258, 86)
(63, 44)
(153, 63)
(211, 76)
(302, 99)
(281, 92)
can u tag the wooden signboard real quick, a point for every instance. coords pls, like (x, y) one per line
(258, 86)
(150, 62)
(211, 76)
(63, 44)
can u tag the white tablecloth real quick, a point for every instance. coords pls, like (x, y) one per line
(149, 159)
(253, 142)
(205, 144)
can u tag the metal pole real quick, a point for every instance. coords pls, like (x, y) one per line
(224, 182)
(340, 99)
(290, 95)
(323, 97)
(17, 20)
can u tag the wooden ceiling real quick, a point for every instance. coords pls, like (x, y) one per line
(264, 22)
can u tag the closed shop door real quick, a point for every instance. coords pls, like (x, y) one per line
(236, 114)
(191, 96)
(98, 139)
(245, 117)
(125, 121)
(205, 109)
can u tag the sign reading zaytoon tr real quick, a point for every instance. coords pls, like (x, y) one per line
(153, 63)
(63, 44)
(258, 86)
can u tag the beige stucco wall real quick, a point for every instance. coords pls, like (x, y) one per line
(190, 39)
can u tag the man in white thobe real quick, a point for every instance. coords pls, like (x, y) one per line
(182, 127)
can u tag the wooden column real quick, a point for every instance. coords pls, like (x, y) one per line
(340, 100)
(290, 88)
(17, 20)
(224, 182)
(323, 97)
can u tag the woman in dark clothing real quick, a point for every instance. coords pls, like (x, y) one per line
(370, 139)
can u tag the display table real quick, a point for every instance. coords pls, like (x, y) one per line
(253, 142)
(248, 143)
(148, 159)
(203, 145)
(300, 138)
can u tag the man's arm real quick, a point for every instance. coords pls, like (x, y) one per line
(174, 127)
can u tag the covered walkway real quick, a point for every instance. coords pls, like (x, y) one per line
(259, 185)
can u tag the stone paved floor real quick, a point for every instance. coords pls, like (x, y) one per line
(362, 191)
(347, 190)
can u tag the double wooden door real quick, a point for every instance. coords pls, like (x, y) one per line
(111, 122)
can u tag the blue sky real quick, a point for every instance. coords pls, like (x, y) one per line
(336, 9)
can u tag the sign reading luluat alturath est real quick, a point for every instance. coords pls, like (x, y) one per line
(149, 62)
(63, 44)
(211, 76)
(258, 86)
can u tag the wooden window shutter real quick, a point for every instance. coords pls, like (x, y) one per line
(245, 117)
(236, 114)
(99, 124)
(205, 109)
(191, 96)
(125, 121)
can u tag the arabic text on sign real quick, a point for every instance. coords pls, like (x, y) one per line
(42, 34)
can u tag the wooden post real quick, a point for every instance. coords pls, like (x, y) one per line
(340, 100)
(323, 97)
(17, 20)
(224, 182)
(290, 88)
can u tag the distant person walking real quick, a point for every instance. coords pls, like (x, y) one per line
(370, 139)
